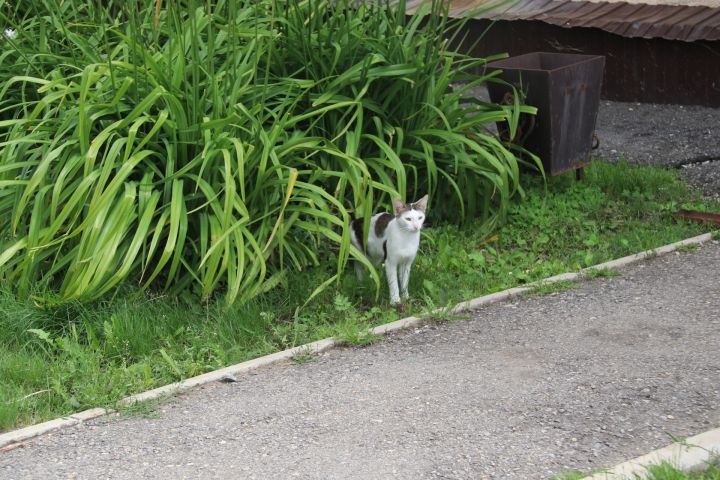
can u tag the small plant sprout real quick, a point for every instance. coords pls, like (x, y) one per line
(432, 313)
(551, 288)
(144, 409)
(592, 273)
(303, 355)
(356, 338)
(688, 248)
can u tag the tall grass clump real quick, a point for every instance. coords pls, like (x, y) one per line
(204, 147)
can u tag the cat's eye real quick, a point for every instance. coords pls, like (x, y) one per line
(409, 219)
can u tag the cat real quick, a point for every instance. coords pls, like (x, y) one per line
(393, 239)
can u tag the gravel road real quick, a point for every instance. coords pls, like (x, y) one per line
(525, 389)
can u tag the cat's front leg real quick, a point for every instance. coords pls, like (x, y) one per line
(392, 279)
(404, 273)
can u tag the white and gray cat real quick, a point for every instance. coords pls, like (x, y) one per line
(393, 239)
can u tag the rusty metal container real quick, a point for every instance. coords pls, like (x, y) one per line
(565, 88)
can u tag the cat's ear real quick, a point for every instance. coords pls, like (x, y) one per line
(398, 206)
(421, 204)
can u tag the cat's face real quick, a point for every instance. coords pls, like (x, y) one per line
(410, 216)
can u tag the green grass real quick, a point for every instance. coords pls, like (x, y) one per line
(144, 408)
(305, 355)
(550, 288)
(666, 471)
(570, 476)
(565, 227)
(663, 471)
(592, 273)
(60, 358)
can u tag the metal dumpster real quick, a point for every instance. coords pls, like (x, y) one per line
(566, 90)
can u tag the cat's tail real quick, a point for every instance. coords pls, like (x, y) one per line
(356, 233)
(358, 239)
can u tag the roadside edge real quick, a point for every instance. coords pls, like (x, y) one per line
(691, 454)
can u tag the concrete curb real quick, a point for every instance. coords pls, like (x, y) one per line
(320, 346)
(34, 430)
(692, 454)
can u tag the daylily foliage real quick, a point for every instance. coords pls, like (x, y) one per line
(205, 147)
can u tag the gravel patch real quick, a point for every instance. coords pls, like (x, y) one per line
(651, 134)
(679, 136)
(686, 137)
(580, 379)
(703, 176)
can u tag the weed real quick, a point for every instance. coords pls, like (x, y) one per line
(432, 312)
(352, 327)
(551, 288)
(354, 338)
(666, 471)
(688, 248)
(303, 356)
(662, 471)
(592, 273)
(572, 475)
(144, 408)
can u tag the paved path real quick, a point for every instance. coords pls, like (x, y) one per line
(579, 379)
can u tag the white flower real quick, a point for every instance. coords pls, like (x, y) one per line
(10, 33)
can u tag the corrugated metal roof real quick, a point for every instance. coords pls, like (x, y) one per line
(672, 22)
